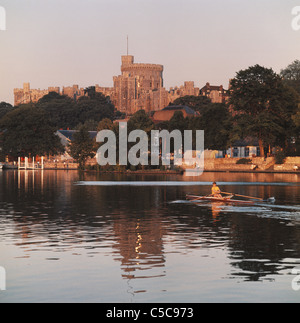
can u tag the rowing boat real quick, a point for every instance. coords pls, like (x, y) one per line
(228, 199)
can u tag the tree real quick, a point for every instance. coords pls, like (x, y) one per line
(66, 113)
(216, 121)
(296, 117)
(60, 109)
(27, 131)
(96, 107)
(263, 105)
(90, 91)
(5, 108)
(178, 122)
(291, 75)
(296, 120)
(82, 146)
(140, 120)
(105, 124)
(197, 103)
(90, 124)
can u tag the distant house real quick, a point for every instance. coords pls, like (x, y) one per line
(66, 136)
(217, 94)
(247, 147)
(167, 113)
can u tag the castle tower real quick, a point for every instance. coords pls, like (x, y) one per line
(26, 87)
(127, 60)
(133, 88)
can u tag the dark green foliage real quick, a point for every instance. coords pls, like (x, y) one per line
(178, 122)
(296, 118)
(66, 113)
(96, 107)
(197, 103)
(82, 146)
(27, 131)
(291, 75)
(264, 106)
(140, 120)
(61, 110)
(244, 161)
(5, 108)
(215, 120)
(279, 156)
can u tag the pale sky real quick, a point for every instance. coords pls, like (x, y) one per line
(66, 42)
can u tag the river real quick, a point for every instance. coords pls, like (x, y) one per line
(112, 238)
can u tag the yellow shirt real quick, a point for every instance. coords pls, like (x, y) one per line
(215, 190)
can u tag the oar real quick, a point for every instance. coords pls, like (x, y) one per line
(252, 197)
(198, 198)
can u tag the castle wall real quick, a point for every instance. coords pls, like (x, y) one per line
(140, 86)
(187, 89)
(27, 95)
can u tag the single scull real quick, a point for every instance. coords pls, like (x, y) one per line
(196, 198)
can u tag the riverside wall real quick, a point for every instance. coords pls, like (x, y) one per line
(258, 164)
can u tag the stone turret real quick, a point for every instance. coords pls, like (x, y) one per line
(127, 60)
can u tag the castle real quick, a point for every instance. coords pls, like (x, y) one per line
(140, 86)
(27, 95)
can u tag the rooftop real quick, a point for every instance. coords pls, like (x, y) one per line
(187, 109)
(68, 134)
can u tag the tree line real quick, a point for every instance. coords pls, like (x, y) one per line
(261, 104)
(29, 129)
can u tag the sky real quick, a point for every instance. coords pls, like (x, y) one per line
(66, 42)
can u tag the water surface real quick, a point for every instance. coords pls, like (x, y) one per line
(70, 237)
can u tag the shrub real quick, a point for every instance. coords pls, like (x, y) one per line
(279, 156)
(244, 161)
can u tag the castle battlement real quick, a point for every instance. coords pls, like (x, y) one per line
(140, 66)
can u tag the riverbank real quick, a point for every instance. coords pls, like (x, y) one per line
(227, 165)
(169, 172)
(253, 165)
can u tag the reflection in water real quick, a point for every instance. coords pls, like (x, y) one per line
(216, 209)
(151, 233)
(139, 243)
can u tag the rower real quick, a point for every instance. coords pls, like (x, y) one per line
(215, 191)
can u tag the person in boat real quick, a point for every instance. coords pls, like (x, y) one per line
(215, 191)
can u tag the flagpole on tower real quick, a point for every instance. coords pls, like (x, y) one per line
(127, 45)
